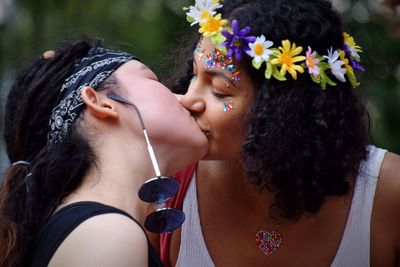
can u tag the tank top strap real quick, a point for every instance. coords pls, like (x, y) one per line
(193, 250)
(63, 222)
(354, 248)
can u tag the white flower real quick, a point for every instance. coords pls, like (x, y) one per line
(202, 10)
(259, 49)
(336, 64)
(353, 53)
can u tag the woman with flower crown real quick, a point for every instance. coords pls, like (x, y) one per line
(290, 178)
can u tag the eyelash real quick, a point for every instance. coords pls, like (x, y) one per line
(220, 96)
(217, 95)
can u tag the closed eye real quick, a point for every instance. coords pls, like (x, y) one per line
(218, 95)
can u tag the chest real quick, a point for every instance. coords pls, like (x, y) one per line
(230, 238)
(235, 237)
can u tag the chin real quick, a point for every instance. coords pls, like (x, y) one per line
(186, 157)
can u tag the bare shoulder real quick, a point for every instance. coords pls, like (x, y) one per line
(104, 240)
(386, 216)
(389, 178)
(391, 161)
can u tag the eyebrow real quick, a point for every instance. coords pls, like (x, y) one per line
(218, 73)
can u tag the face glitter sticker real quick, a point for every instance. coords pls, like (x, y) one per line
(216, 59)
(228, 106)
(199, 51)
(268, 241)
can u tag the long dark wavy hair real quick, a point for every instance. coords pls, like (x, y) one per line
(302, 143)
(26, 202)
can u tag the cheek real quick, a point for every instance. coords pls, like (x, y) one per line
(179, 130)
(172, 118)
(228, 121)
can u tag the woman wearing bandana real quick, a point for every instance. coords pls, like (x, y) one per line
(79, 152)
(290, 178)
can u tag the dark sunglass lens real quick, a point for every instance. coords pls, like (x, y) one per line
(164, 220)
(158, 189)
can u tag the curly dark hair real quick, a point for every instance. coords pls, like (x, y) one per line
(56, 171)
(302, 143)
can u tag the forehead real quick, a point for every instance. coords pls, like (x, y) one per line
(134, 69)
(207, 53)
(207, 58)
(134, 65)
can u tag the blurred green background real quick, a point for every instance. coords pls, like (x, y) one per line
(151, 28)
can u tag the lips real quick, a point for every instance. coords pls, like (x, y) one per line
(206, 133)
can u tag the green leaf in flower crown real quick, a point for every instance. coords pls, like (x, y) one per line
(352, 79)
(277, 74)
(325, 79)
(185, 8)
(316, 79)
(189, 19)
(256, 65)
(268, 71)
(217, 39)
(275, 54)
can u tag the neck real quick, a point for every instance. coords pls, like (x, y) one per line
(229, 178)
(116, 178)
(225, 182)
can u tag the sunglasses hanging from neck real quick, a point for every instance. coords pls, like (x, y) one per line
(158, 189)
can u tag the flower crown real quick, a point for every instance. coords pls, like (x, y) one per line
(235, 42)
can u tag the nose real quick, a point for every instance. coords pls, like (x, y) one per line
(193, 100)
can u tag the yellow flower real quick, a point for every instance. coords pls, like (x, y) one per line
(349, 69)
(349, 40)
(287, 57)
(212, 25)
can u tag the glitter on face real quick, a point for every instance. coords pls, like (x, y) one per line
(228, 106)
(199, 51)
(216, 59)
(268, 241)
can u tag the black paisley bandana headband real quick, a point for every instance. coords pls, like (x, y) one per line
(93, 69)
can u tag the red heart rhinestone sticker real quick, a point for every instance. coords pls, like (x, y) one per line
(268, 241)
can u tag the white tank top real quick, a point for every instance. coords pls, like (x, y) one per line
(354, 249)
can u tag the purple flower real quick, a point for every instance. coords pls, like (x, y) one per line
(347, 50)
(237, 43)
(356, 65)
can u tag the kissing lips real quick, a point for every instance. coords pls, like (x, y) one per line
(206, 133)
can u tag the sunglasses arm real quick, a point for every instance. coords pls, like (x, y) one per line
(152, 155)
(118, 98)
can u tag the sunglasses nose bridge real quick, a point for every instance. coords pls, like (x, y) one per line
(158, 190)
(160, 205)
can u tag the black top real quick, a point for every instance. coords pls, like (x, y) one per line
(64, 221)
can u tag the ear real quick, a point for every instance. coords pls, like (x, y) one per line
(98, 104)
